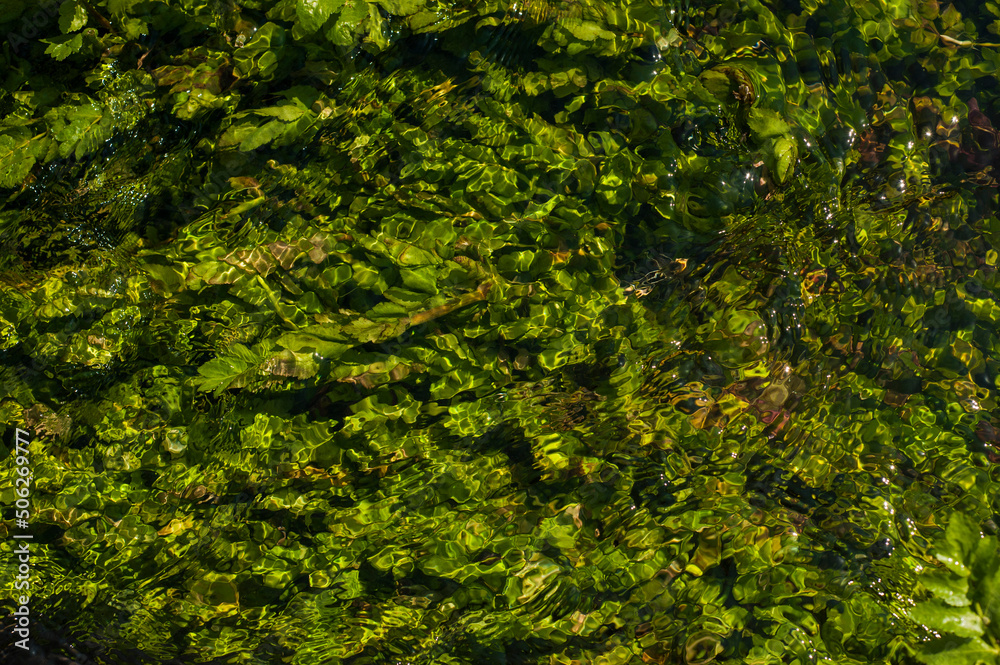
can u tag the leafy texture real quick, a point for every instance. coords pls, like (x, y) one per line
(490, 332)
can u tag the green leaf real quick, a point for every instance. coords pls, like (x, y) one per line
(242, 353)
(72, 124)
(972, 651)
(229, 370)
(72, 16)
(365, 330)
(263, 134)
(299, 342)
(943, 618)
(15, 161)
(63, 46)
(220, 373)
(961, 538)
(588, 31)
(286, 112)
(930, 10)
(950, 18)
(312, 14)
(719, 85)
(237, 133)
(135, 28)
(784, 155)
(401, 7)
(421, 279)
(262, 54)
(765, 123)
(165, 279)
(349, 23)
(196, 102)
(422, 21)
(121, 7)
(985, 590)
(949, 588)
(294, 365)
(328, 332)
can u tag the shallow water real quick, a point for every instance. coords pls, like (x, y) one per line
(554, 333)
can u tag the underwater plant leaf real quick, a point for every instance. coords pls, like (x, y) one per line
(588, 30)
(121, 7)
(949, 588)
(349, 23)
(312, 14)
(961, 538)
(969, 651)
(944, 618)
(221, 373)
(300, 342)
(285, 112)
(63, 46)
(233, 369)
(765, 123)
(261, 56)
(782, 157)
(15, 160)
(262, 135)
(546, 331)
(402, 7)
(72, 16)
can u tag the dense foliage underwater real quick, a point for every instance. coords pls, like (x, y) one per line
(421, 331)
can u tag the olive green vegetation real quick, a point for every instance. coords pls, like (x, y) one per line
(545, 332)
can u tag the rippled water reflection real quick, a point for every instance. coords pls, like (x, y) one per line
(572, 334)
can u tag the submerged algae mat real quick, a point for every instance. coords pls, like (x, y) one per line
(404, 332)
